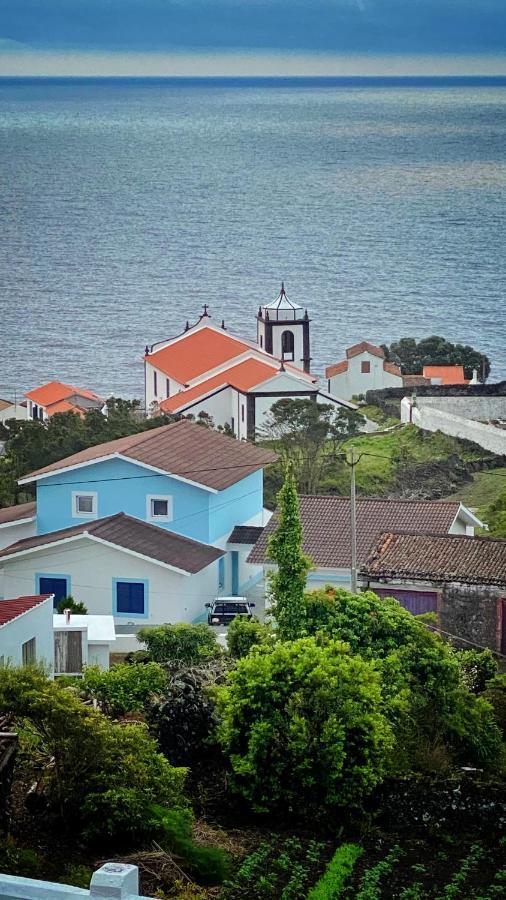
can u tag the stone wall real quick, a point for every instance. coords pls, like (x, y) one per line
(490, 437)
(438, 390)
(470, 611)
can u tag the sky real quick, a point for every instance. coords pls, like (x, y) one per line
(235, 37)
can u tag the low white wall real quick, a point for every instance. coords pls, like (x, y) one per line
(482, 409)
(489, 437)
(114, 881)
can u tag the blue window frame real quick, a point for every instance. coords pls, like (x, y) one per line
(130, 597)
(59, 585)
(221, 573)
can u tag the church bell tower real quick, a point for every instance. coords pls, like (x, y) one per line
(283, 331)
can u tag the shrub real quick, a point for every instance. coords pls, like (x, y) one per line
(183, 643)
(304, 728)
(495, 694)
(208, 864)
(477, 667)
(185, 719)
(243, 634)
(336, 874)
(124, 688)
(75, 606)
(15, 860)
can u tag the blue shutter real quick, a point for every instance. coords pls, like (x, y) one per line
(56, 586)
(130, 597)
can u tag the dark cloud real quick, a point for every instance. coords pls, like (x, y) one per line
(362, 26)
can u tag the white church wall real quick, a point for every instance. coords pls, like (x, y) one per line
(354, 382)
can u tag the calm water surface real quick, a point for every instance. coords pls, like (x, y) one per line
(126, 206)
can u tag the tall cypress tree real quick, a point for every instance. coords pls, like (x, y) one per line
(288, 582)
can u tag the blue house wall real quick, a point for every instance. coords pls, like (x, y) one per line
(122, 486)
(235, 505)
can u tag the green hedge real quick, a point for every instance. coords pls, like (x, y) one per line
(339, 869)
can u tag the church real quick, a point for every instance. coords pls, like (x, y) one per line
(207, 370)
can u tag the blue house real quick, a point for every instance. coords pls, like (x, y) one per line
(149, 527)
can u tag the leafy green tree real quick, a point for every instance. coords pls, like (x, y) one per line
(124, 688)
(96, 773)
(75, 606)
(182, 643)
(306, 433)
(304, 728)
(288, 582)
(412, 356)
(495, 517)
(243, 634)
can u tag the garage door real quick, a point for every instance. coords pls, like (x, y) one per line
(417, 602)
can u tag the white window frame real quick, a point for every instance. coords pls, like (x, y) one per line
(149, 515)
(76, 514)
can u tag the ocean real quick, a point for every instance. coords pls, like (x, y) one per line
(126, 205)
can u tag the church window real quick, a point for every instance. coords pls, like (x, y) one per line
(167, 386)
(155, 383)
(287, 345)
(365, 367)
(261, 340)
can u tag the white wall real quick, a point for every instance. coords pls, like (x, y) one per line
(353, 382)
(10, 532)
(489, 437)
(150, 396)
(113, 880)
(92, 566)
(15, 411)
(221, 406)
(37, 623)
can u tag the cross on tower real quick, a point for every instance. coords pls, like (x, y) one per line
(205, 309)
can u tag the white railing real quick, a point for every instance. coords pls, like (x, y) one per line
(114, 881)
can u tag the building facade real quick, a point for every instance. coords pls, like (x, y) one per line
(364, 369)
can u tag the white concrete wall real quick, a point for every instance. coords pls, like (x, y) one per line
(35, 623)
(353, 382)
(161, 393)
(98, 655)
(277, 331)
(489, 437)
(113, 881)
(482, 409)
(92, 567)
(222, 406)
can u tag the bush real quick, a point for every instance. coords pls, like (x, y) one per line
(243, 634)
(477, 667)
(304, 728)
(185, 719)
(124, 688)
(182, 643)
(336, 874)
(495, 694)
(75, 606)
(15, 860)
(208, 864)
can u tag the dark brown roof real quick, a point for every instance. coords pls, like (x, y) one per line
(429, 557)
(131, 534)
(181, 448)
(327, 530)
(14, 513)
(245, 534)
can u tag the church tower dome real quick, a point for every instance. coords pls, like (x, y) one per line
(283, 330)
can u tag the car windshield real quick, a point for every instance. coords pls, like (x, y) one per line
(230, 608)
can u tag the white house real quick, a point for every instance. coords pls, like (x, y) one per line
(207, 370)
(56, 397)
(326, 523)
(364, 369)
(10, 409)
(141, 528)
(26, 632)
(82, 640)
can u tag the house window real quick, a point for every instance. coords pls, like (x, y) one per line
(28, 652)
(287, 345)
(242, 412)
(221, 573)
(35, 411)
(84, 505)
(130, 597)
(159, 507)
(155, 383)
(365, 367)
(59, 585)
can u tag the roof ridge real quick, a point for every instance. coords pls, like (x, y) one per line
(376, 499)
(478, 538)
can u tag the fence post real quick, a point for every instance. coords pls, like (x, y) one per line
(115, 881)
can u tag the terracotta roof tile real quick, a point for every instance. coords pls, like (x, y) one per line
(391, 368)
(64, 406)
(181, 448)
(357, 349)
(336, 368)
(414, 380)
(327, 530)
(438, 558)
(196, 353)
(447, 374)
(11, 609)
(133, 534)
(243, 376)
(54, 391)
(14, 513)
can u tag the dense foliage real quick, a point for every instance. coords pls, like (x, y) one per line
(412, 356)
(182, 643)
(304, 727)
(75, 606)
(287, 583)
(124, 688)
(243, 634)
(495, 517)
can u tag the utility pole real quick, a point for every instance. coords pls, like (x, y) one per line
(352, 462)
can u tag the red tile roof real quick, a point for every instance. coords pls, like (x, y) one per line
(243, 376)
(55, 391)
(437, 558)
(64, 406)
(327, 531)
(11, 609)
(414, 380)
(336, 369)
(363, 347)
(196, 353)
(14, 513)
(181, 448)
(129, 533)
(392, 369)
(447, 374)
(356, 350)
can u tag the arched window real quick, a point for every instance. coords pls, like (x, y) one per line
(287, 345)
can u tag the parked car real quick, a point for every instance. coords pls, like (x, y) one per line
(223, 609)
